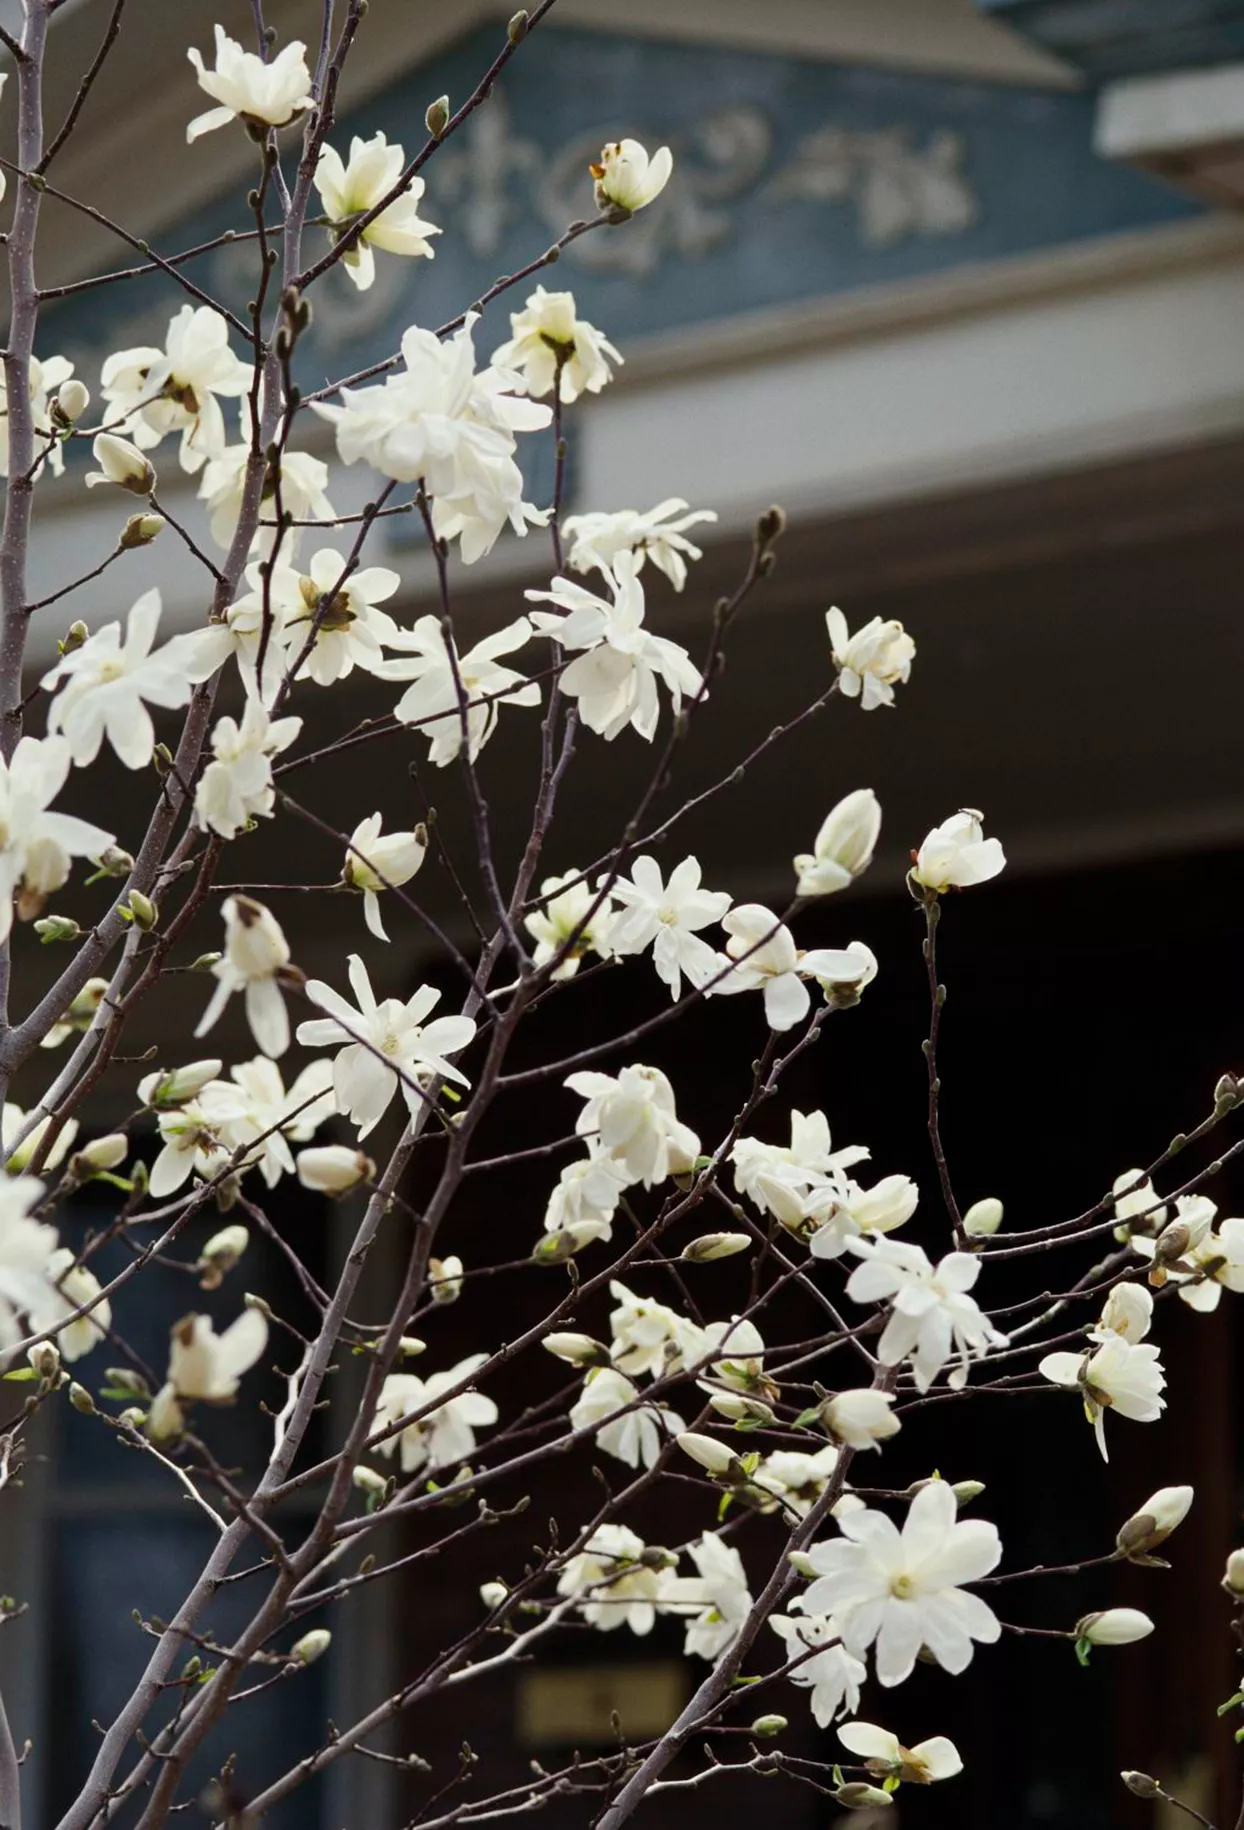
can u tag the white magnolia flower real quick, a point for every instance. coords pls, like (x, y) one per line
(37, 845)
(667, 917)
(863, 1419)
(350, 630)
(548, 338)
(932, 1316)
(620, 1582)
(844, 846)
(718, 1599)
(351, 190)
(633, 1114)
(871, 661)
(1211, 1262)
(446, 1435)
(1127, 1311)
(659, 534)
(885, 1756)
(236, 787)
(636, 1438)
(27, 1249)
(902, 1590)
(208, 1366)
(178, 388)
(648, 1336)
(769, 961)
(46, 378)
(255, 957)
(16, 1157)
(440, 422)
(777, 1177)
(110, 681)
(303, 495)
(797, 1478)
(841, 1215)
(70, 1286)
(615, 678)
(121, 465)
(378, 861)
(1114, 1375)
(454, 695)
(253, 1105)
(383, 1046)
(586, 1197)
(628, 177)
(956, 854)
(191, 1146)
(833, 1675)
(78, 1015)
(1136, 1204)
(259, 94)
(580, 911)
(240, 633)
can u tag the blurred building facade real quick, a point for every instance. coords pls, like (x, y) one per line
(959, 285)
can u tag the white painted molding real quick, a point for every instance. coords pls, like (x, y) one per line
(1143, 116)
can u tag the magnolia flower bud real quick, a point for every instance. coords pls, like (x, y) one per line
(333, 1169)
(45, 1358)
(983, 1218)
(311, 1646)
(715, 1245)
(861, 1419)
(73, 397)
(1114, 1627)
(492, 1594)
(125, 1379)
(745, 1413)
(967, 1491)
(802, 1564)
(161, 1090)
(436, 120)
(516, 30)
(81, 1399)
(73, 637)
(141, 530)
(410, 1347)
(143, 912)
(101, 1154)
(220, 1254)
(1233, 1580)
(123, 464)
(768, 1726)
(577, 1349)
(52, 928)
(1172, 1242)
(1154, 1522)
(206, 962)
(445, 1279)
(557, 1247)
(114, 862)
(711, 1454)
(368, 1481)
(1142, 1785)
(844, 846)
(165, 1419)
(860, 1797)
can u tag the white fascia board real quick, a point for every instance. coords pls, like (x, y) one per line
(1143, 118)
(1037, 367)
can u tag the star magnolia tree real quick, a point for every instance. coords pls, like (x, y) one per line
(805, 1577)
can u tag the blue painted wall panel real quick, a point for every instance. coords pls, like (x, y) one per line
(1108, 38)
(793, 181)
